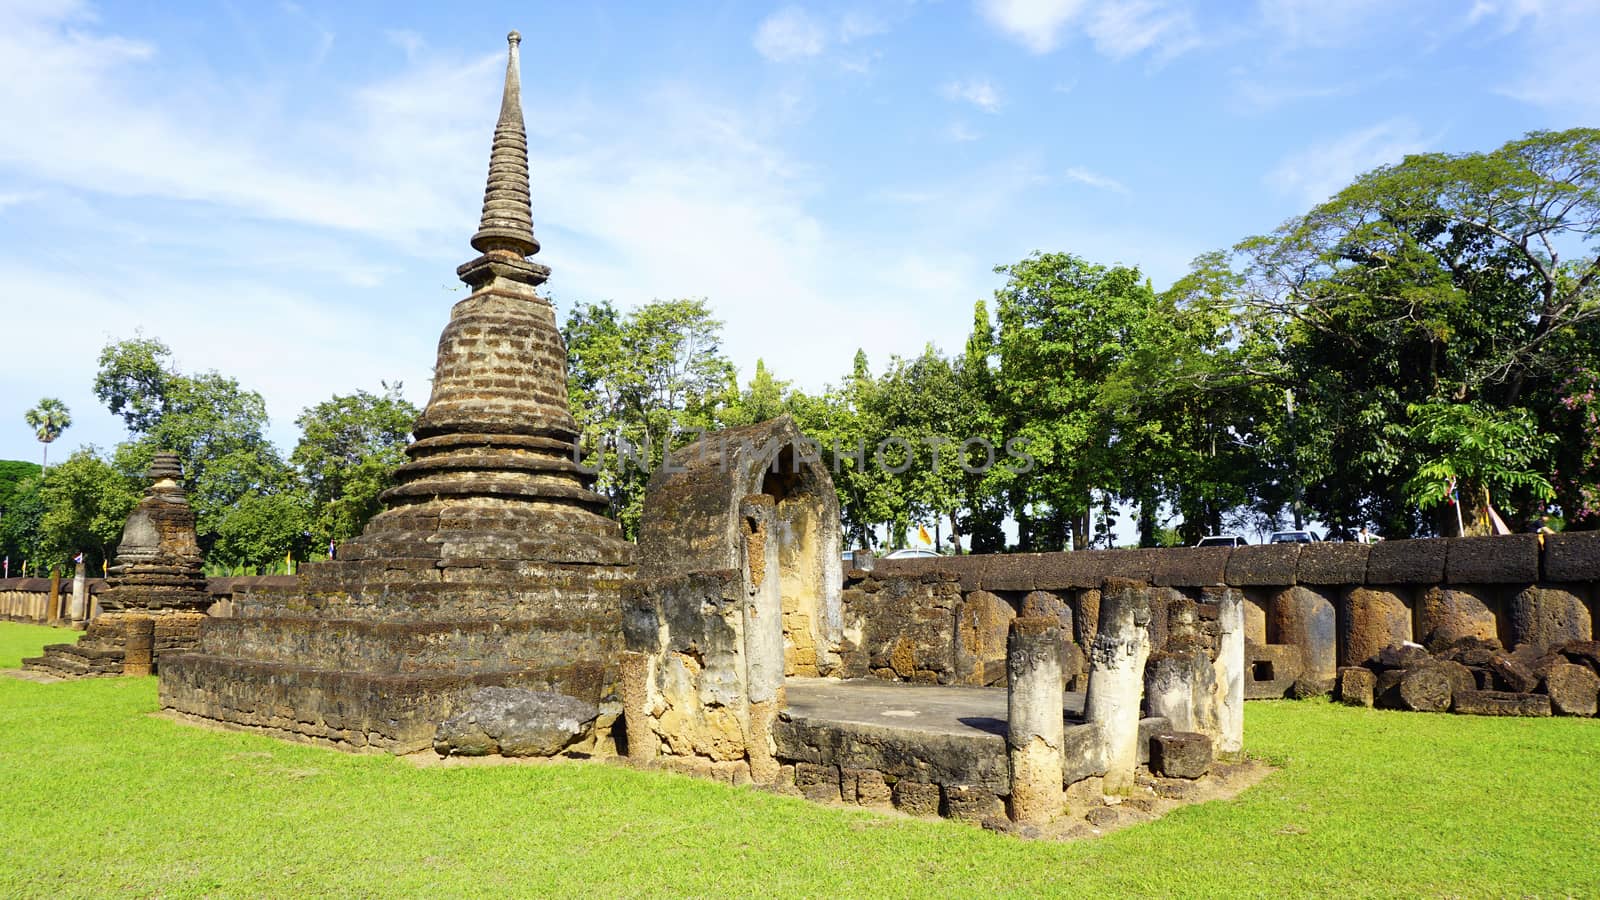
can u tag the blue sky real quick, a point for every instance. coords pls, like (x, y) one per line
(282, 191)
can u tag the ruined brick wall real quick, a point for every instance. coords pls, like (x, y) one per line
(1309, 609)
(689, 630)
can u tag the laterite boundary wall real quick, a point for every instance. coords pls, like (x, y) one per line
(28, 599)
(1309, 608)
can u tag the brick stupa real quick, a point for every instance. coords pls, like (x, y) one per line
(157, 574)
(492, 562)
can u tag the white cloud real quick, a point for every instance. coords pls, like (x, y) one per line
(1123, 29)
(855, 25)
(979, 92)
(1324, 23)
(1118, 28)
(1036, 24)
(1318, 172)
(790, 34)
(1095, 180)
(1559, 67)
(961, 133)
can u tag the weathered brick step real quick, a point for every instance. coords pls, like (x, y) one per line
(397, 713)
(416, 647)
(64, 665)
(439, 603)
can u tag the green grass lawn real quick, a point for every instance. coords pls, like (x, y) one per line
(99, 798)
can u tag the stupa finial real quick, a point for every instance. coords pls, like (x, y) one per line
(507, 223)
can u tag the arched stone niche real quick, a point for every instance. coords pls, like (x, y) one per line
(692, 523)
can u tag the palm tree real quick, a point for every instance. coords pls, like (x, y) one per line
(48, 420)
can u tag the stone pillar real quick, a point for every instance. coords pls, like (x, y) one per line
(1180, 686)
(763, 634)
(1116, 679)
(634, 678)
(1305, 618)
(139, 642)
(1545, 616)
(55, 596)
(1375, 618)
(1447, 614)
(1229, 667)
(80, 595)
(1035, 722)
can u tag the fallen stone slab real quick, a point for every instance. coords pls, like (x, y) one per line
(514, 722)
(1573, 690)
(1501, 703)
(1424, 688)
(1513, 675)
(1584, 653)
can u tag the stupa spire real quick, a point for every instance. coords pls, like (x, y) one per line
(507, 223)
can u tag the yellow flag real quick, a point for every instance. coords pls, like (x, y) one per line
(923, 533)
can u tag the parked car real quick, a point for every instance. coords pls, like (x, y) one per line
(913, 553)
(1222, 540)
(1293, 537)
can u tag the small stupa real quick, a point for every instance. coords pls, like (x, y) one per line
(157, 575)
(492, 562)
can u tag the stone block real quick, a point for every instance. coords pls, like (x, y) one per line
(1418, 689)
(818, 783)
(1584, 653)
(1357, 686)
(1407, 562)
(1512, 675)
(1547, 616)
(916, 798)
(1270, 670)
(1330, 563)
(970, 804)
(1013, 572)
(1496, 559)
(1258, 565)
(514, 722)
(1190, 566)
(1572, 557)
(1573, 690)
(1448, 614)
(870, 787)
(980, 640)
(1180, 754)
(1501, 703)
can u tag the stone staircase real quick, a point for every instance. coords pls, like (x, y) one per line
(97, 653)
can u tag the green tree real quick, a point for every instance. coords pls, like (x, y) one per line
(261, 531)
(640, 384)
(217, 428)
(1470, 451)
(86, 500)
(21, 508)
(765, 398)
(1065, 325)
(349, 448)
(48, 419)
(1447, 278)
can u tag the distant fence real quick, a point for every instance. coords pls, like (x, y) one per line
(29, 599)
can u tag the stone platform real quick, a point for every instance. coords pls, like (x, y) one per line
(951, 737)
(345, 657)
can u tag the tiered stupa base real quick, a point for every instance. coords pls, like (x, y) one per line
(103, 646)
(374, 653)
